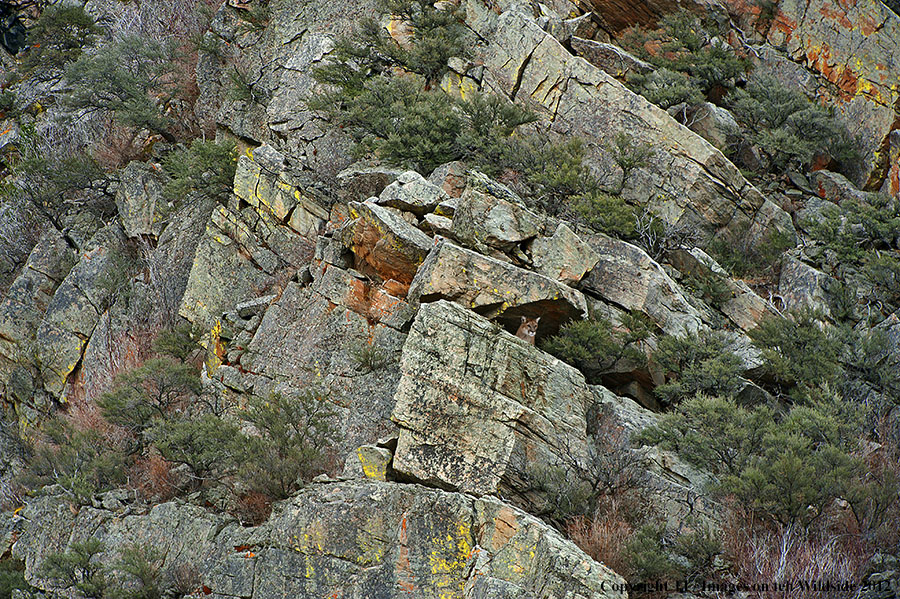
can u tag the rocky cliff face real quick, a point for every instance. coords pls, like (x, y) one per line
(448, 421)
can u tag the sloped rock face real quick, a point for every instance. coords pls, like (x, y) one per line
(494, 288)
(76, 307)
(24, 305)
(626, 276)
(311, 337)
(475, 404)
(252, 246)
(855, 47)
(359, 538)
(688, 180)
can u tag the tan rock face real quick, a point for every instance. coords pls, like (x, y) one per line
(626, 276)
(495, 289)
(474, 403)
(388, 245)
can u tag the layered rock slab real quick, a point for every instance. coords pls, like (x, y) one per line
(688, 180)
(348, 539)
(477, 407)
(494, 288)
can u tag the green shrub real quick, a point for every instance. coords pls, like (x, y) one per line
(789, 469)
(798, 349)
(697, 363)
(743, 257)
(437, 36)
(207, 445)
(140, 573)
(648, 559)
(79, 569)
(712, 287)
(666, 88)
(206, 167)
(594, 346)
(882, 272)
(370, 358)
(82, 462)
(12, 578)
(134, 79)
(629, 155)
(692, 61)
(136, 574)
(606, 213)
(53, 185)
(57, 38)
(149, 393)
(291, 445)
(787, 126)
(178, 342)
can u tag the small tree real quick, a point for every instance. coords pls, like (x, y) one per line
(133, 78)
(593, 346)
(206, 166)
(57, 38)
(79, 568)
(291, 443)
(798, 349)
(149, 393)
(697, 363)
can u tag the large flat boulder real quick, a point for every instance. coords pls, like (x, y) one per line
(478, 408)
(494, 289)
(359, 538)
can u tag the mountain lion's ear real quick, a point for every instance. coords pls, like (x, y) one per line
(537, 320)
(523, 320)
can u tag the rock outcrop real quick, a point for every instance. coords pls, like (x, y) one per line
(476, 406)
(353, 538)
(687, 181)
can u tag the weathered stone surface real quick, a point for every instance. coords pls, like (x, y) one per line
(26, 301)
(437, 225)
(628, 277)
(313, 336)
(713, 123)
(474, 401)
(621, 14)
(564, 256)
(390, 247)
(612, 59)
(140, 201)
(246, 252)
(260, 180)
(835, 187)
(412, 193)
(450, 177)
(359, 182)
(802, 286)
(487, 222)
(855, 47)
(355, 539)
(76, 307)
(494, 288)
(744, 308)
(688, 180)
